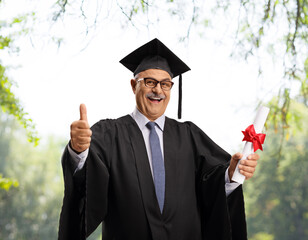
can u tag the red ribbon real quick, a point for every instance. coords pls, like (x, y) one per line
(257, 139)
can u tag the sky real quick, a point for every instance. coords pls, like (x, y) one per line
(220, 94)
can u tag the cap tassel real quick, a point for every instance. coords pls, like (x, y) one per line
(180, 98)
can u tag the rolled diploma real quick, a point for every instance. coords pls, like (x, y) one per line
(248, 148)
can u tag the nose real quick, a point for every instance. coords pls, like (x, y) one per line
(157, 89)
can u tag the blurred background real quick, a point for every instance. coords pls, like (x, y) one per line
(55, 55)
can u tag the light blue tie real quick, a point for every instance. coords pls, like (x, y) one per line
(157, 165)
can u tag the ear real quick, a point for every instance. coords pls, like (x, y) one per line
(133, 83)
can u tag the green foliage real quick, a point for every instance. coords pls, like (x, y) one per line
(304, 84)
(11, 105)
(280, 27)
(4, 42)
(8, 101)
(276, 197)
(6, 183)
(32, 210)
(262, 236)
(284, 120)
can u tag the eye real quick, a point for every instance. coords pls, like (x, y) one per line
(166, 84)
(150, 82)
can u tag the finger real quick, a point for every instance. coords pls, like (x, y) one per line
(80, 124)
(75, 133)
(83, 124)
(81, 147)
(250, 163)
(253, 156)
(237, 156)
(246, 169)
(82, 140)
(83, 112)
(246, 174)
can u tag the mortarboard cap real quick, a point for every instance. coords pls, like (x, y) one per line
(155, 55)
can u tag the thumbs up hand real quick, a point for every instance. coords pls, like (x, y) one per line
(81, 132)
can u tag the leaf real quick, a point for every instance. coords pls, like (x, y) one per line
(11, 104)
(7, 183)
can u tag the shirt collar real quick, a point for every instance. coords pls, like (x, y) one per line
(142, 120)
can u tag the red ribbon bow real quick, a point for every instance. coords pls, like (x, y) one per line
(257, 139)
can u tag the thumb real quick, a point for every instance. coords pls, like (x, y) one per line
(83, 112)
(234, 160)
(237, 156)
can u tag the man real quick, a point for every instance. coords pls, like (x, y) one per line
(146, 176)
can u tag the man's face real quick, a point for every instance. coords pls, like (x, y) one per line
(151, 102)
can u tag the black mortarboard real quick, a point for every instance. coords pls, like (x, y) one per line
(155, 55)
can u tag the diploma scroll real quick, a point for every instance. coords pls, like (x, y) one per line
(248, 148)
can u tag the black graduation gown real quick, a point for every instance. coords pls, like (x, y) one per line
(116, 187)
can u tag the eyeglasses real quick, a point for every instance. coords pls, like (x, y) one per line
(152, 83)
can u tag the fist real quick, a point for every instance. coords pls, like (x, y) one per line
(81, 132)
(247, 166)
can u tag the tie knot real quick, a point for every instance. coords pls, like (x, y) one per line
(150, 125)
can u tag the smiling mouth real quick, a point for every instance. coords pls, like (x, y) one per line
(155, 99)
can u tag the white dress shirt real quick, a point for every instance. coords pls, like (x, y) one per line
(141, 120)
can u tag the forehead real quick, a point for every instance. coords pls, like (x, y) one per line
(158, 74)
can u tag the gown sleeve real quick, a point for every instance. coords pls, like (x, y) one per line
(222, 217)
(86, 191)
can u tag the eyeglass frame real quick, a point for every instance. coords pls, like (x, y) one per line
(156, 82)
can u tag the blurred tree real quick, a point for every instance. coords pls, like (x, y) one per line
(276, 198)
(9, 103)
(32, 210)
(5, 130)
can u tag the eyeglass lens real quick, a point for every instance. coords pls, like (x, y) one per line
(167, 85)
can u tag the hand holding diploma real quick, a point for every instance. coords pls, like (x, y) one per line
(81, 132)
(243, 165)
(246, 166)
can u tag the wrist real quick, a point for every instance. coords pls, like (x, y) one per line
(70, 144)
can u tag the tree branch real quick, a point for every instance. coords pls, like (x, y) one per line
(298, 12)
(126, 15)
(193, 19)
(62, 10)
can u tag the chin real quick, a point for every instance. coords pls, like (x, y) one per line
(153, 115)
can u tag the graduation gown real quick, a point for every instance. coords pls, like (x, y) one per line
(116, 187)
